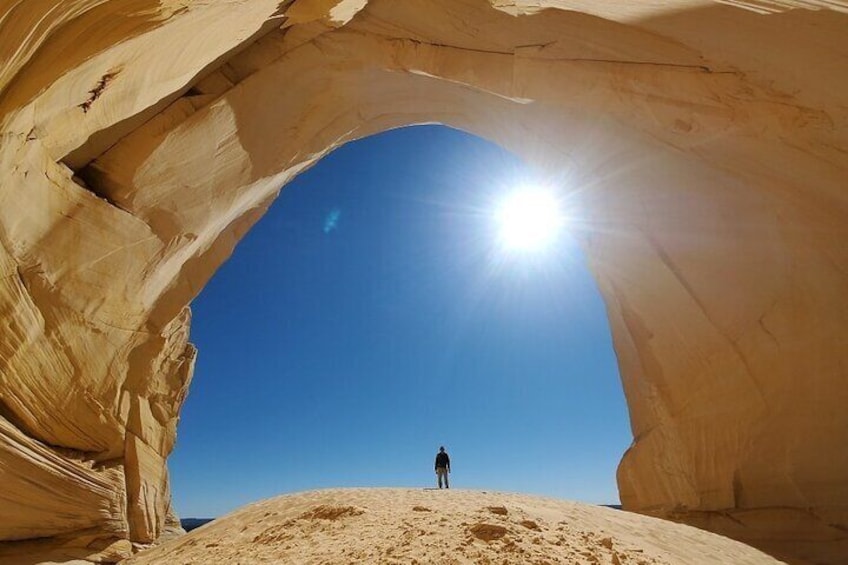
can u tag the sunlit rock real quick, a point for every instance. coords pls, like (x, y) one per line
(704, 143)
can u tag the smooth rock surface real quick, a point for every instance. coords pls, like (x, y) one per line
(704, 143)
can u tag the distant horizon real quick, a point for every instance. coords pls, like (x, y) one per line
(370, 317)
(616, 506)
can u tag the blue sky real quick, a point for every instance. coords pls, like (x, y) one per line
(371, 316)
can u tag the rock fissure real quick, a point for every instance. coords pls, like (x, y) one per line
(518, 51)
(98, 90)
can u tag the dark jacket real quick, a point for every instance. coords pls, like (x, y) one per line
(442, 460)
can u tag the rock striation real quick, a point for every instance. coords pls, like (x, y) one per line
(704, 145)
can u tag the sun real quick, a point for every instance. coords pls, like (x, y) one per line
(529, 219)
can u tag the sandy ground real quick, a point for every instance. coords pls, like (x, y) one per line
(394, 526)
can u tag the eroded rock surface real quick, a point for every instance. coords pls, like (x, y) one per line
(705, 144)
(386, 529)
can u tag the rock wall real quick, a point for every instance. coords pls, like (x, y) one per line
(703, 144)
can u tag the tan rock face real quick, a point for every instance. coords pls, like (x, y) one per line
(704, 144)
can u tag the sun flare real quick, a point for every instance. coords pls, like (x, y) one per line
(529, 219)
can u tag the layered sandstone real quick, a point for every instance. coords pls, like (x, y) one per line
(704, 145)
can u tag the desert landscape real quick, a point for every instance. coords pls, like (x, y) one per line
(422, 526)
(141, 140)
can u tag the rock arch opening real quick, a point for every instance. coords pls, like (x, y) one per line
(373, 314)
(710, 137)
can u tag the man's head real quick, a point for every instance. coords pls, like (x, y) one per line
(442, 449)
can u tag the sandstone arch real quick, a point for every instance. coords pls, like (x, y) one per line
(707, 144)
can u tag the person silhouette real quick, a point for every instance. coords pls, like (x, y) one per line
(442, 467)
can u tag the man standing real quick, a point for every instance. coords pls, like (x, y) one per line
(442, 466)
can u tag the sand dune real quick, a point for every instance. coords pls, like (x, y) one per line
(394, 526)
